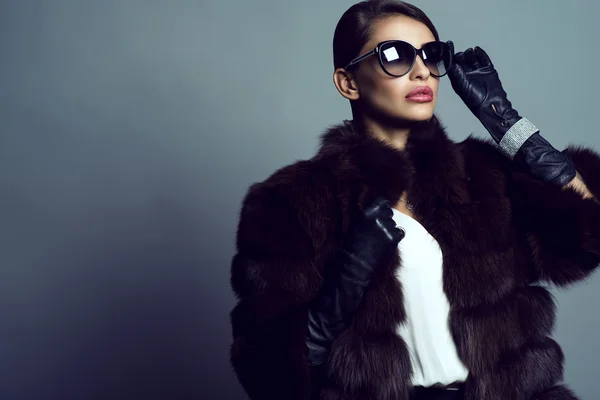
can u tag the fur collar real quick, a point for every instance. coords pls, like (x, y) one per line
(430, 158)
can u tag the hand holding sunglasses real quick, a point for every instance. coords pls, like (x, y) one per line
(476, 81)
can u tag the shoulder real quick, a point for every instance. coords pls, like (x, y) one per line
(474, 146)
(585, 158)
(294, 184)
(283, 223)
(296, 197)
(290, 180)
(482, 153)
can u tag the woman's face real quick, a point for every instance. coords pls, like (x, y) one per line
(386, 95)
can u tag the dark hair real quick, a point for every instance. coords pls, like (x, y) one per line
(354, 28)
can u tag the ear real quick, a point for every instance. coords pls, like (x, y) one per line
(346, 84)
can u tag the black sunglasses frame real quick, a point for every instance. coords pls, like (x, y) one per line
(417, 52)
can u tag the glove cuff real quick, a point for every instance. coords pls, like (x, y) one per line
(516, 137)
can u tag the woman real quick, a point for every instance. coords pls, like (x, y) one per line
(397, 264)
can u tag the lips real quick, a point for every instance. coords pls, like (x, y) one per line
(420, 94)
(420, 91)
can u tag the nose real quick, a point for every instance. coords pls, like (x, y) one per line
(419, 71)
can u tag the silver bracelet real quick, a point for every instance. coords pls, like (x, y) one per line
(516, 136)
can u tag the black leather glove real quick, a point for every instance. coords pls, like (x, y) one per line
(475, 80)
(369, 244)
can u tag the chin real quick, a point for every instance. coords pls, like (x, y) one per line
(418, 112)
(405, 113)
(418, 116)
(423, 117)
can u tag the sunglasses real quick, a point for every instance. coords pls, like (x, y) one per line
(398, 57)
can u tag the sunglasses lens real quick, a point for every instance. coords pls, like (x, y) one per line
(437, 57)
(397, 57)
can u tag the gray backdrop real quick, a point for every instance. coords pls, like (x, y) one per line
(130, 130)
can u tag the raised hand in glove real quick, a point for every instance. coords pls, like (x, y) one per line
(369, 245)
(476, 81)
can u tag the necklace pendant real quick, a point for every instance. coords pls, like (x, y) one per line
(409, 205)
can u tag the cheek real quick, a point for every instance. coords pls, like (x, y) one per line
(377, 87)
(395, 89)
(434, 86)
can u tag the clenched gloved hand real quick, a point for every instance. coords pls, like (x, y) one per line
(369, 245)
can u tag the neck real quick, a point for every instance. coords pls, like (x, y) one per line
(396, 133)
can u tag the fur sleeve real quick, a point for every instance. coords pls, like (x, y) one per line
(274, 274)
(559, 227)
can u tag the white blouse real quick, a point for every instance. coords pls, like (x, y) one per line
(426, 332)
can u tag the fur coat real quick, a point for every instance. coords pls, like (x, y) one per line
(503, 235)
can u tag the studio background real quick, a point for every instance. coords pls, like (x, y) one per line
(130, 131)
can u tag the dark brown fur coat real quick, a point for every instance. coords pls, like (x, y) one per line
(502, 234)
